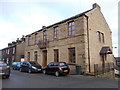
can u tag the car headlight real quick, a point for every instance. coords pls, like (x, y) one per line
(116, 71)
(34, 67)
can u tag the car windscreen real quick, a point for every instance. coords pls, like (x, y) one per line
(3, 64)
(16, 62)
(34, 63)
(62, 64)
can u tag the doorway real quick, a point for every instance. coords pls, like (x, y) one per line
(44, 58)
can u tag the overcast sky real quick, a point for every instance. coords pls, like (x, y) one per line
(22, 17)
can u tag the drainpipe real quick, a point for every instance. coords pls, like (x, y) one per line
(88, 43)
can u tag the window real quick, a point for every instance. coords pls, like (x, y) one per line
(36, 38)
(8, 51)
(71, 28)
(13, 50)
(72, 58)
(56, 32)
(35, 55)
(29, 40)
(56, 55)
(13, 58)
(45, 36)
(28, 56)
(100, 36)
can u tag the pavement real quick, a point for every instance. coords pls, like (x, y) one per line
(39, 80)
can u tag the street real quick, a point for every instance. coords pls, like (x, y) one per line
(39, 80)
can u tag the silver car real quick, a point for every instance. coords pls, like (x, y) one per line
(117, 70)
(4, 70)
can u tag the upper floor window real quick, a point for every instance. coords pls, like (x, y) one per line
(56, 32)
(8, 51)
(71, 28)
(13, 50)
(100, 36)
(36, 38)
(29, 40)
(45, 36)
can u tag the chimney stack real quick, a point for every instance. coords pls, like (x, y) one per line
(95, 5)
(9, 44)
(43, 27)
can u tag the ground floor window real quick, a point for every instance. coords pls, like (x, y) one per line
(72, 55)
(56, 55)
(28, 57)
(35, 55)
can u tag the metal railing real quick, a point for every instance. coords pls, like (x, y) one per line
(43, 44)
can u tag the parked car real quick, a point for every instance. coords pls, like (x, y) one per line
(16, 65)
(4, 70)
(56, 68)
(30, 66)
(117, 70)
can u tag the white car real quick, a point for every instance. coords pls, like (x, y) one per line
(117, 70)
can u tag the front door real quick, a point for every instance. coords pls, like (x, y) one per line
(44, 58)
(103, 63)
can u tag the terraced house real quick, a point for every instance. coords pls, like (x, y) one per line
(84, 39)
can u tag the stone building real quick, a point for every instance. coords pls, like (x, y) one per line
(84, 39)
(9, 53)
(0, 55)
(14, 51)
(20, 49)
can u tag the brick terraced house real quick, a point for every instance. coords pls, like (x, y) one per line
(84, 39)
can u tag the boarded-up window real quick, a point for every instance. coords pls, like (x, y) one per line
(72, 55)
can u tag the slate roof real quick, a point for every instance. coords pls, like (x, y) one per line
(73, 17)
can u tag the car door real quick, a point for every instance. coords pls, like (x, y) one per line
(49, 68)
(23, 66)
(27, 66)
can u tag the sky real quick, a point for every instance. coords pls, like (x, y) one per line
(23, 17)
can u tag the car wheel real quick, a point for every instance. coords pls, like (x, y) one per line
(57, 74)
(29, 71)
(44, 71)
(7, 76)
(20, 69)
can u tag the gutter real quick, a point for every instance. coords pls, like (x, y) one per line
(88, 43)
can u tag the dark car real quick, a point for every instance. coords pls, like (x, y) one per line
(16, 65)
(117, 70)
(4, 70)
(56, 68)
(30, 66)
